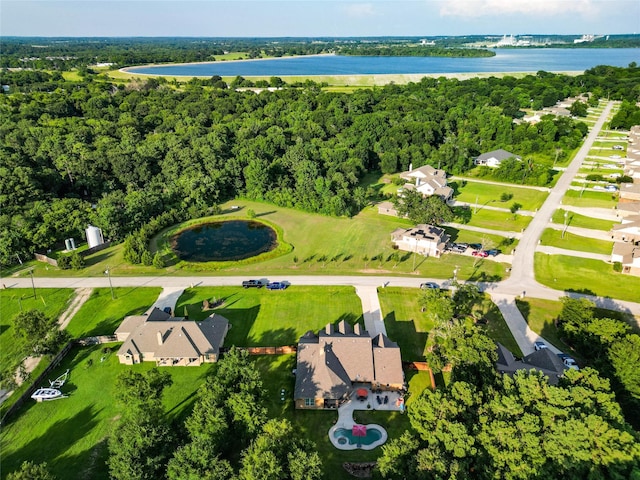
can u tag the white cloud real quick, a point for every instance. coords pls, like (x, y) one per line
(481, 8)
(360, 10)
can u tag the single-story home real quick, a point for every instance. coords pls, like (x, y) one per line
(170, 341)
(628, 254)
(387, 208)
(424, 239)
(629, 192)
(494, 158)
(543, 360)
(338, 360)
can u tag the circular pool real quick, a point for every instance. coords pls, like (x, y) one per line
(224, 241)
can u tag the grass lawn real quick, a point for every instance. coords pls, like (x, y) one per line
(321, 246)
(70, 434)
(487, 194)
(50, 301)
(494, 220)
(405, 323)
(540, 316)
(260, 317)
(585, 276)
(575, 242)
(590, 199)
(101, 315)
(582, 221)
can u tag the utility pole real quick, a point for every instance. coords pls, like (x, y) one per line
(566, 216)
(33, 285)
(108, 273)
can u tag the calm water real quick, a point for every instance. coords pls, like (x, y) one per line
(511, 60)
(220, 241)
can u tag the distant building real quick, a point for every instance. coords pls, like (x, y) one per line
(629, 192)
(428, 181)
(494, 158)
(628, 255)
(628, 231)
(424, 239)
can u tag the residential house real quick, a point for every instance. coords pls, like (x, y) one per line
(169, 341)
(494, 158)
(543, 360)
(387, 208)
(627, 231)
(628, 255)
(340, 359)
(424, 239)
(629, 192)
(428, 181)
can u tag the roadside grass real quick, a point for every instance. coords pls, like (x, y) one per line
(582, 221)
(497, 328)
(583, 275)
(260, 317)
(101, 315)
(571, 241)
(469, 191)
(51, 301)
(540, 315)
(588, 198)
(404, 321)
(71, 434)
(493, 220)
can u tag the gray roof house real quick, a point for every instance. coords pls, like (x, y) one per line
(331, 364)
(425, 239)
(543, 360)
(495, 158)
(169, 341)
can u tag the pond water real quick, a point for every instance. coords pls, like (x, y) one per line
(224, 241)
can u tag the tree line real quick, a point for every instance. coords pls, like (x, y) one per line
(118, 155)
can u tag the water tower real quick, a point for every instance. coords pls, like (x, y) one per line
(94, 236)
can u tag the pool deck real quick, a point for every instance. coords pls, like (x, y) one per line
(345, 416)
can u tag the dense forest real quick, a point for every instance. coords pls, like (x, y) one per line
(118, 155)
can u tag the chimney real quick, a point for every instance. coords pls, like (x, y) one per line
(160, 338)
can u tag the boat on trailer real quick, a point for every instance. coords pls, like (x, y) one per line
(43, 394)
(58, 382)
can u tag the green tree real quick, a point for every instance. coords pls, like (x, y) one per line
(39, 332)
(158, 260)
(624, 356)
(419, 209)
(437, 305)
(31, 471)
(196, 461)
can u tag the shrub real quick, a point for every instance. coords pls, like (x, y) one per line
(617, 267)
(595, 177)
(158, 261)
(146, 258)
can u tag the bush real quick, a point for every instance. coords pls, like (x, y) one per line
(251, 213)
(617, 267)
(72, 261)
(624, 179)
(505, 197)
(595, 177)
(158, 261)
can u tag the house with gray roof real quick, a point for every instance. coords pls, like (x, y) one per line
(543, 360)
(169, 341)
(339, 359)
(424, 239)
(494, 158)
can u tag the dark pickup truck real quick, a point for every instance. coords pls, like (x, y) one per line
(252, 283)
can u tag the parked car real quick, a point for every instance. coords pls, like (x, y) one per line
(539, 346)
(598, 187)
(253, 284)
(429, 285)
(276, 286)
(493, 252)
(611, 188)
(568, 361)
(618, 147)
(475, 246)
(456, 248)
(480, 253)
(462, 245)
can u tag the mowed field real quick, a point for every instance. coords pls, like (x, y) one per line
(489, 194)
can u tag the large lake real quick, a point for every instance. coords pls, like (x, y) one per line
(509, 60)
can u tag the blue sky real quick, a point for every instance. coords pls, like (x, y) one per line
(270, 18)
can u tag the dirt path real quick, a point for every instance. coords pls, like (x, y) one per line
(82, 295)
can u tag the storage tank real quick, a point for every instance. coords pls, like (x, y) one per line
(67, 244)
(73, 243)
(94, 236)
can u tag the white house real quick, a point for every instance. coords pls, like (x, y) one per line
(428, 181)
(424, 239)
(494, 158)
(628, 255)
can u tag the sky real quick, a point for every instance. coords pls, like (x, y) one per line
(313, 18)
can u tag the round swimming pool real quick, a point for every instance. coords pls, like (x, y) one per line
(224, 241)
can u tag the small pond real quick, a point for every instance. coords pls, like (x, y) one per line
(223, 241)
